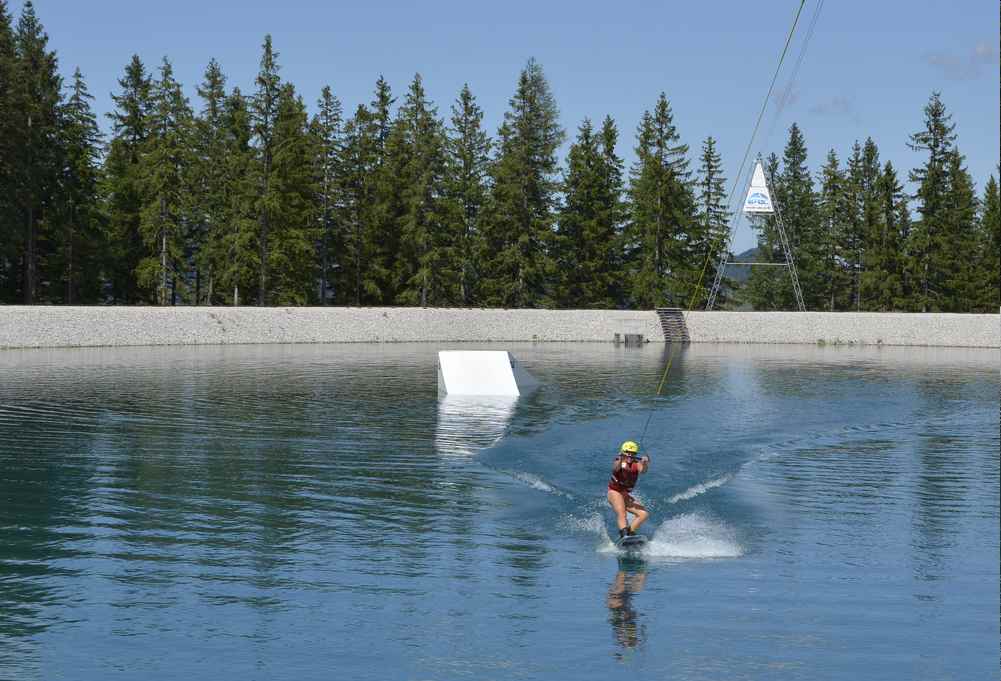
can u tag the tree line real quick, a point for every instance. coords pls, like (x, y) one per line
(857, 244)
(247, 198)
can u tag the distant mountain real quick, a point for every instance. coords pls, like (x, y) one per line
(739, 275)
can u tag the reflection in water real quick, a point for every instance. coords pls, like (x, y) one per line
(467, 424)
(628, 631)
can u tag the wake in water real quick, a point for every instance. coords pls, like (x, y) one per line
(700, 488)
(690, 536)
(693, 536)
(536, 482)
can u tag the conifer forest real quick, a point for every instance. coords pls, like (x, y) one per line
(263, 195)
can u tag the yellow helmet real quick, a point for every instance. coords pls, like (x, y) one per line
(630, 447)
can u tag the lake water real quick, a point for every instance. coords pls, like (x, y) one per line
(315, 512)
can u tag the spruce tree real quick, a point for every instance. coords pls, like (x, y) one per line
(233, 242)
(882, 285)
(428, 268)
(328, 128)
(928, 234)
(382, 112)
(80, 236)
(208, 184)
(359, 163)
(587, 236)
(989, 249)
(8, 137)
(854, 231)
(663, 228)
(37, 95)
(293, 191)
(799, 214)
(957, 255)
(381, 238)
(863, 224)
(578, 213)
(872, 222)
(712, 218)
(518, 231)
(130, 131)
(613, 212)
(833, 281)
(163, 178)
(468, 165)
(264, 115)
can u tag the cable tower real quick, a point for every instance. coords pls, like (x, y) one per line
(759, 203)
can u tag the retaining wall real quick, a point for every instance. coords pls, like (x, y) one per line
(51, 326)
(41, 326)
(857, 328)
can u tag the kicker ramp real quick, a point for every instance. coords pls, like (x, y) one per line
(481, 372)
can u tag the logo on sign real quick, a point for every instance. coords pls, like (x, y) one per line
(757, 199)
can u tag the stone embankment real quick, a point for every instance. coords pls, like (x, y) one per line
(50, 326)
(851, 328)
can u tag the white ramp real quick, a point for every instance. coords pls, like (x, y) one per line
(480, 372)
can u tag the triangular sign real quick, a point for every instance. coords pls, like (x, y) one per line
(758, 199)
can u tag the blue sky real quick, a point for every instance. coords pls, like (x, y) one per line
(868, 70)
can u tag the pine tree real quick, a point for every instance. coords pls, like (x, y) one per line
(293, 197)
(713, 218)
(380, 242)
(883, 276)
(467, 188)
(233, 242)
(264, 115)
(328, 129)
(957, 258)
(587, 235)
(830, 290)
(927, 238)
(854, 232)
(429, 269)
(663, 227)
(208, 184)
(799, 214)
(381, 238)
(574, 268)
(130, 131)
(163, 172)
(359, 163)
(863, 216)
(79, 237)
(989, 249)
(519, 228)
(612, 217)
(37, 95)
(8, 137)
(382, 112)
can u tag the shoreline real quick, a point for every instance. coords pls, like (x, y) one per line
(42, 326)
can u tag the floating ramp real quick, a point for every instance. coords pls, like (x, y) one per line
(481, 372)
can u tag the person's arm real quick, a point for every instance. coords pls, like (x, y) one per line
(616, 462)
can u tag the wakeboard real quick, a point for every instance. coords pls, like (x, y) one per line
(631, 542)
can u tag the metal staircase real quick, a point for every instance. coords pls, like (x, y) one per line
(672, 321)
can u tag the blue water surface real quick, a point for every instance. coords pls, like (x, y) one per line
(317, 512)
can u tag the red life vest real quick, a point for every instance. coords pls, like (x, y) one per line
(624, 479)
